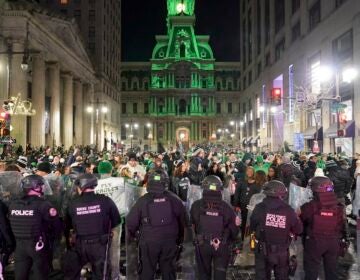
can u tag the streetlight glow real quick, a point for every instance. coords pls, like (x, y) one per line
(232, 123)
(219, 130)
(349, 75)
(325, 74)
(148, 125)
(242, 123)
(273, 110)
(136, 126)
(90, 109)
(262, 109)
(104, 109)
(127, 125)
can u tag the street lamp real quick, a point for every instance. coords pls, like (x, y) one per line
(348, 75)
(132, 126)
(97, 106)
(150, 135)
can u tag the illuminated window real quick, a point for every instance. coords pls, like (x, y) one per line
(64, 2)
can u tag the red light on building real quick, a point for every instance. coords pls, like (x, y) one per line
(276, 96)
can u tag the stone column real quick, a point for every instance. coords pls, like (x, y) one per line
(88, 125)
(18, 85)
(38, 101)
(68, 130)
(79, 113)
(356, 104)
(54, 89)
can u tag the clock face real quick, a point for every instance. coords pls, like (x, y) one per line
(180, 7)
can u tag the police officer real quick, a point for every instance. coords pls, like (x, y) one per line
(6, 237)
(93, 217)
(214, 223)
(160, 216)
(32, 218)
(273, 221)
(324, 227)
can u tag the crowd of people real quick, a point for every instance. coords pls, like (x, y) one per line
(63, 209)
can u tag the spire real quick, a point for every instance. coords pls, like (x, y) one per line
(178, 7)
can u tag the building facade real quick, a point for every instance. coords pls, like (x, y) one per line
(292, 46)
(182, 95)
(45, 70)
(100, 26)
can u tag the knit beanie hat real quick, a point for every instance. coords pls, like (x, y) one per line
(105, 167)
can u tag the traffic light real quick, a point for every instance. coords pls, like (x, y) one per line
(276, 96)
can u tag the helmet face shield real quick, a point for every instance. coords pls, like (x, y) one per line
(33, 183)
(321, 184)
(212, 183)
(275, 189)
(86, 181)
(158, 181)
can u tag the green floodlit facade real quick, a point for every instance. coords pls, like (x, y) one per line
(182, 94)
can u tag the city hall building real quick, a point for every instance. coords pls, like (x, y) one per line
(182, 94)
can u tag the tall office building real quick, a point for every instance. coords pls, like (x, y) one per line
(291, 46)
(100, 25)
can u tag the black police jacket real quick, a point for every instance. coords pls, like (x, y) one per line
(150, 211)
(273, 221)
(315, 215)
(92, 215)
(229, 229)
(32, 217)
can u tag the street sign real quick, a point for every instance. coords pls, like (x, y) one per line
(335, 107)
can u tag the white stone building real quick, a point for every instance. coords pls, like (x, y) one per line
(60, 79)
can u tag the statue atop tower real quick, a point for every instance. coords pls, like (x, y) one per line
(177, 7)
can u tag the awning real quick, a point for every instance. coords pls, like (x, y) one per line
(249, 140)
(310, 133)
(332, 131)
(244, 141)
(350, 129)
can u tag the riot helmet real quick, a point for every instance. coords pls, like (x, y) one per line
(158, 181)
(33, 182)
(86, 181)
(275, 188)
(321, 184)
(212, 183)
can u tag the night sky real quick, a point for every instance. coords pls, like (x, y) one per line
(143, 19)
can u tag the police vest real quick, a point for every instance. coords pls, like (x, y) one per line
(275, 226)
(90, 218)
(183, 187)
(211, 221)
(158, 211)
(325, 222)
(26, 219)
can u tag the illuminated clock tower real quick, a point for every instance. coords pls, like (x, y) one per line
(183, 93)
